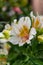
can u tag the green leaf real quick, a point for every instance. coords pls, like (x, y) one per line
(38, 62)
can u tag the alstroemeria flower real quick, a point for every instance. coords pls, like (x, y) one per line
(22, 32)
(5, 34)
(4, 38)
(37, 21)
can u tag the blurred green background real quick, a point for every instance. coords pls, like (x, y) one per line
(11, 9)
(14, 8)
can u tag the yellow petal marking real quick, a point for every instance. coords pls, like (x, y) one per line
(24, 33)
(36, 23)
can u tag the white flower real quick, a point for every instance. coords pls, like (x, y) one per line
(37, 20)
(5, 34)
(21, 32)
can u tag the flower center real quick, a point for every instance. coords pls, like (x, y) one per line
(24, 33)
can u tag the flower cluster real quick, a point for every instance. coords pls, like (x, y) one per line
(21, 32)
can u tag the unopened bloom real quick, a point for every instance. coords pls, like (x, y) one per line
(40, 38)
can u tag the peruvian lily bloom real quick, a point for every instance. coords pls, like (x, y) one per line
(37, 21)
(22, 32)
(4, 37)
(5, 34)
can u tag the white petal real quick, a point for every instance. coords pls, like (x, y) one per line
(3, 40)
(1, 34)
(33, 31)
(31, 14)
(21, 44)
(41, 21)
(28, 41)
(13, 32)
(14, 40)
(21, 22)
(15, 21)
(27, 22)
(7, 26)
(15, 28)
(20, 26)
(24, 21)
(41, 18)
(31, 37)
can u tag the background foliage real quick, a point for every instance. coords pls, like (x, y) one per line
(8, 13)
